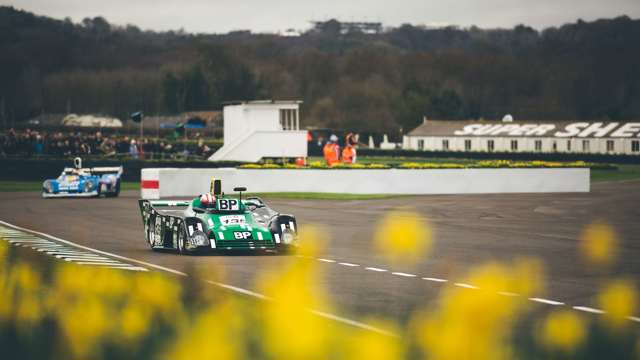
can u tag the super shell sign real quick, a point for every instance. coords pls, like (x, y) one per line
(578, 129)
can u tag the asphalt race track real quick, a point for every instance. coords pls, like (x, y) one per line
(469, 230)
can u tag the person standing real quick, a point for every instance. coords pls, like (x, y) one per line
(349, 154)
(349, 151)
(133, 149)
(331, 151)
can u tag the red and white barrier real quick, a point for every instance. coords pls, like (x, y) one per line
(150, 184)
(187, 182)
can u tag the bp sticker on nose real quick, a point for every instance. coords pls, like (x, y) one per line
(242, 235)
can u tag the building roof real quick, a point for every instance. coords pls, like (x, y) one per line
(261, 102)
(559, 129)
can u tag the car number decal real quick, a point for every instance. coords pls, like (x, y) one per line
(232, 220)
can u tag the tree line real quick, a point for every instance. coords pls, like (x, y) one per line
(366, 82)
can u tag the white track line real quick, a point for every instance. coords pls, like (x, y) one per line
(51, 248)
(466, 286)
(225, 286)
(28, 242)
(375, 269)
(327, 260)
(80, 258)
(99, 263)
(546, 301)
(435, 279)
(70, 253)
(588, 309)
(130, 267)
(348, 264)
(508, 293)
(352, 323)
(634, 318)
(403, 274)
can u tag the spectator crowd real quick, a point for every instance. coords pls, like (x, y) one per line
(31, 143)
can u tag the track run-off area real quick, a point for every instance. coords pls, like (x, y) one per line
(469, 230)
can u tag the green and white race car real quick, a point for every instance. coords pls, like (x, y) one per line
(216, 222)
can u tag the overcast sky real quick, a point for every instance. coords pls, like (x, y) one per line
(221, 16)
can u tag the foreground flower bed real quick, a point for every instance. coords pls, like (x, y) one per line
(53, 310)
(486, 164)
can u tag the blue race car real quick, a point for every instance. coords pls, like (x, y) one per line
(84, 182)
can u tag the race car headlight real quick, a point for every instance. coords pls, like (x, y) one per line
(199, 238)
(288, 237)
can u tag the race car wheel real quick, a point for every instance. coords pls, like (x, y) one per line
(151, 225)
(47, 188)
(117, 189)
(283, 228)
(182, 236)
(115, 192)
(88, 185)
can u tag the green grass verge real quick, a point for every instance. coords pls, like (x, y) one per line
(624, 172)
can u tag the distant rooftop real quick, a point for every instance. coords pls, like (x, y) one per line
(260, 102)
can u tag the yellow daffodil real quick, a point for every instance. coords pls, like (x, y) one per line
(599, 244)
(403, 236)
(618, 299)
(563, 330)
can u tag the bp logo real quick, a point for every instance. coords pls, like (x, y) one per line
(242, 235)
(228, 205)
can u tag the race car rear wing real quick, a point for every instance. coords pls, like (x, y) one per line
(167, 203)
(117, 170)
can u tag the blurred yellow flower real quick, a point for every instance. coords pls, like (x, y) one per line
(373, 346)
(527, 276)
(403, 236)
(474, 323)
(618, 299)
(84, 324)
(563, 330)
(599, 244)
(157, 292)
(26, 284)
(3, 252)
(134, 321)
(216, 333)
(291, 330)
(311, 241)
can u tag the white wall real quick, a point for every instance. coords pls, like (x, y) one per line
(270, 144)
(191, 182)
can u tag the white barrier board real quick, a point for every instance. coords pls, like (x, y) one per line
(189, 182)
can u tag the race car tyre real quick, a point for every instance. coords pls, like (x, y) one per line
(151, 225)
(116, 192)
(182, 237)
(282, 227)
(87, 187)
(47, 188)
